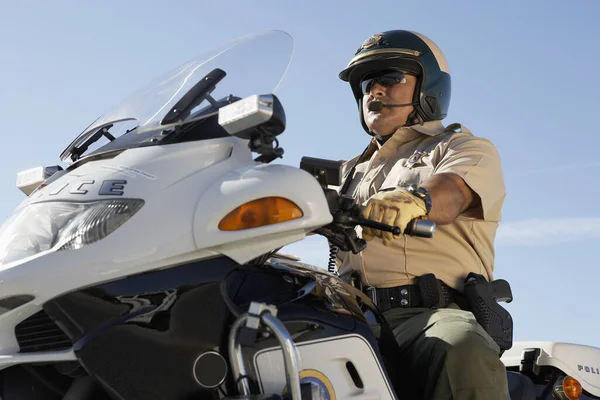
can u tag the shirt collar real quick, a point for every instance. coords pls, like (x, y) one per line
(406, 134)
(410, 133)
(430, 128)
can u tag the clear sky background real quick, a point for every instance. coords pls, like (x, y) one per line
(525, 75)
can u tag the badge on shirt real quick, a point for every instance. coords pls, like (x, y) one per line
(415, 159)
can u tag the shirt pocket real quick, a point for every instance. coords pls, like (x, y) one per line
(407, 171)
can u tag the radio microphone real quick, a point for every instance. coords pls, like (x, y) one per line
(377, 105)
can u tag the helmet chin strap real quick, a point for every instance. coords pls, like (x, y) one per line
(412, 116)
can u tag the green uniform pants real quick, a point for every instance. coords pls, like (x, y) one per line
(447, 355)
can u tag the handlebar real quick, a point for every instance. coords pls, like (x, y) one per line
(416, 227)
(347, 215)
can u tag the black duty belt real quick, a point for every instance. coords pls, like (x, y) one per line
(480, 297)
(429, 292)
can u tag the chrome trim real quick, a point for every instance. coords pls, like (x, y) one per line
(265, 314)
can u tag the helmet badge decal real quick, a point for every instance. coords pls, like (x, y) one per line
(370, 42)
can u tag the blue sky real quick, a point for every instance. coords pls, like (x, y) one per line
(524, 76)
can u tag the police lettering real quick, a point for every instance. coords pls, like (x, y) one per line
(588, 369)
(79, 189)
(110, 187)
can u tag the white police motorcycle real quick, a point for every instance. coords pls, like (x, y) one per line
(148, 268)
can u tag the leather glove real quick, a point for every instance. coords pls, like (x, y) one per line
(396, 208)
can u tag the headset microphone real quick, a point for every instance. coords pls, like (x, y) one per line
(377, 105)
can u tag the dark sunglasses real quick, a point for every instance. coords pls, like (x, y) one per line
(385, 79)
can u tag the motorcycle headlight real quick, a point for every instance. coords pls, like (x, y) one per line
(61, 226)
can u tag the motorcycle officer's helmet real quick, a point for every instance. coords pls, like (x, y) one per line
(409, 52)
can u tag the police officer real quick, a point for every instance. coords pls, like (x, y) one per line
(415, 167)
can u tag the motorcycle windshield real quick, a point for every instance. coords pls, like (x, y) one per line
(254, 64)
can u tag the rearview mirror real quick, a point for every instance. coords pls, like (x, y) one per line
(327, 172)
(29, 179)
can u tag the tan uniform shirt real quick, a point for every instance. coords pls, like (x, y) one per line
(410, 156)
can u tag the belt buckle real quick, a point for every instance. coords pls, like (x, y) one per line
(372, 293)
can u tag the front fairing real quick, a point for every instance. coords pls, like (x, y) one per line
(98, 180)
(101, 198)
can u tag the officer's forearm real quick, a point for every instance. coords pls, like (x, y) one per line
(450, 196)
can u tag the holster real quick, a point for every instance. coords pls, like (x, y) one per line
(483, 298)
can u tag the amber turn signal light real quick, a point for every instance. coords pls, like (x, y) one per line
(569, 388)
(572, 388)
(260, 212)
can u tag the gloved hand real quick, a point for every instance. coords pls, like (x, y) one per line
(396, 208)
